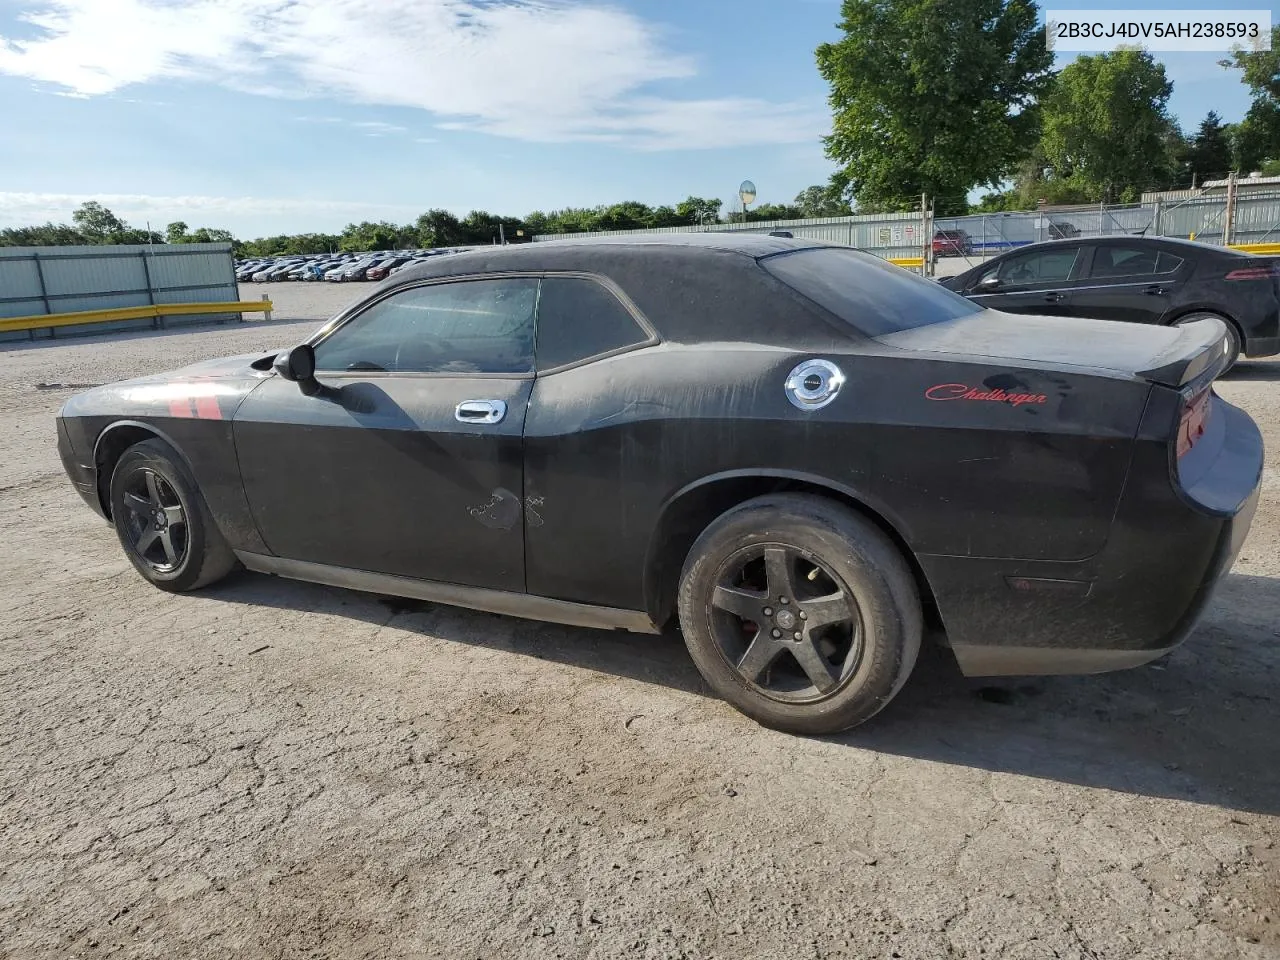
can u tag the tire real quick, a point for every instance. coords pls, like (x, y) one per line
(162, 521)
(1232, 333)
(824, 555)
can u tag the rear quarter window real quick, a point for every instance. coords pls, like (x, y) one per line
(871, 295)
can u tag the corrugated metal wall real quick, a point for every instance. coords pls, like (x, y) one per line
(887, 234)
(44, 280)
(1257, 220)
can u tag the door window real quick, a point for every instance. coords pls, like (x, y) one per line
(469, 326)
(579, 318)
(1033, 267)
(1111, 262)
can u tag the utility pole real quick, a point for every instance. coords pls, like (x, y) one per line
(1230, 221)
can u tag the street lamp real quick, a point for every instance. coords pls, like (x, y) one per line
(747, 194)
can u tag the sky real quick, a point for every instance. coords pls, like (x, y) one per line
(284, 116)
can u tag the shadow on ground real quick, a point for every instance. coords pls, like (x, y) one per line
(1201, 725)
(1257, 370)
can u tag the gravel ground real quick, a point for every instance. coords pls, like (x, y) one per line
(316, 300)
(273, 769)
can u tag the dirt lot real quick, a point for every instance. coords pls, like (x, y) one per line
(282, 770)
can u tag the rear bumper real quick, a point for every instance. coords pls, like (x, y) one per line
(1134, 601)
(1261, 346)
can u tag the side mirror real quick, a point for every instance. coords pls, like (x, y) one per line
(299, 366)
(989, 283)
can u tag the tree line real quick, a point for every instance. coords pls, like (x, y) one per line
(92, 223)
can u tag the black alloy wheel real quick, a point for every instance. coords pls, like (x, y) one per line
(785, 624)
(156, 521)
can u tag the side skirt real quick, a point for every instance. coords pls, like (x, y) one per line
(474, 598)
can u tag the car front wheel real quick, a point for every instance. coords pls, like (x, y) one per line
(801, 613)
(162, 521)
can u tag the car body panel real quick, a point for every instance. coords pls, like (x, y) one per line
(403, 487)
(1023, 463)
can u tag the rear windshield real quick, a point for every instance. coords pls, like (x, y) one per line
(873, 295)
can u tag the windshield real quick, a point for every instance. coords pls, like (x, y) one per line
(872, 295)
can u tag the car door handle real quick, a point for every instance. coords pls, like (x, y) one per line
(1053, 297)
(480, 411)
(1155, 290)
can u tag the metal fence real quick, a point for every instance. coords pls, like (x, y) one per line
(52, 280)
(889, 235)
(970, 239)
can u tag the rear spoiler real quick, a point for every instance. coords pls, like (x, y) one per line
(1199, 353)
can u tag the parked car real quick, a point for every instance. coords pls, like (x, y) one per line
(380, 271)
(952, 243)
(407, 265)
(1154, 280)
(799, 452)
(1062, 230)
(356, 271)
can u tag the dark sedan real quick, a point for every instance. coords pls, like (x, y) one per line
(799, 453)
(1138, 279)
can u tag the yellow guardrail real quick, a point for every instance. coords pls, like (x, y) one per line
(907, 261)
(1263, 248)
(156, 310)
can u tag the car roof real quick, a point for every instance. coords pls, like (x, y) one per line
(692, 286)
(1134, 239)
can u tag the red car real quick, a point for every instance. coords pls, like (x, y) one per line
(383, 270)
(952, 243)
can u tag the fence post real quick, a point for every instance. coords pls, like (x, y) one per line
(1230, 219)
(266, 314)
(926, 240)
(158, 322)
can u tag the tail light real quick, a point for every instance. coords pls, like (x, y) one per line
(1265, 272)
(1195, 417)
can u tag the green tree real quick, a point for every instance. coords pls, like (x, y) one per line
(1107, 129)
(628, 215)
(97, 224)
(1260, 71)
(821, 201)
(697, 210)
(176, 232)
(774, 211)
(1256, 139)
(48, 235)
(439, 228)
(210, 235)
(1208, 153)
(359, 237)
(665, 216)
(932, 96)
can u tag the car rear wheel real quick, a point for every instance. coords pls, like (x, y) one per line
(1233, 335)
(800, 613)
(163, 522)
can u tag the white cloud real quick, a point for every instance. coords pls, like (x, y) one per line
(540, 70)
(24, 209)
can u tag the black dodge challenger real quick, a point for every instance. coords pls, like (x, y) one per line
(803, 454)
